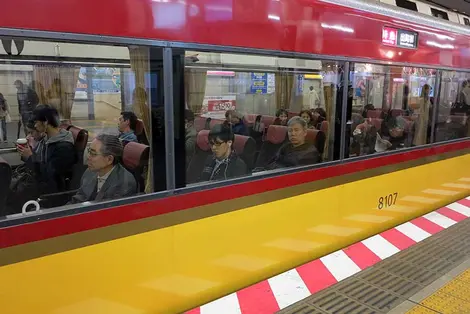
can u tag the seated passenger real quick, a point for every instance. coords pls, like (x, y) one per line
(281, 117)
(48, 166)
(224, 163)
(393, 131)
(127, 125)
(31, 153)
(191, 134)
(296, 152)
(105, 178)
(308, 117)
(54, 163)
(319, 115)
(235, 119)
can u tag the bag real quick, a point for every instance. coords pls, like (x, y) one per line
(8, 117)
(22, 180)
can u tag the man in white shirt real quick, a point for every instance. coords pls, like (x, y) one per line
(313, 100)
(105, 177)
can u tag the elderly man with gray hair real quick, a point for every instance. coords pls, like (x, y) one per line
(296, 152)
(105, 178)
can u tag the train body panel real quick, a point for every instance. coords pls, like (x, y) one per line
(312, 27)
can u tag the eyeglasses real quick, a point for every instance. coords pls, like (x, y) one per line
(216, 143)
(93, 153)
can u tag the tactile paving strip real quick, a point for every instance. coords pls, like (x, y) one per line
(391, 282)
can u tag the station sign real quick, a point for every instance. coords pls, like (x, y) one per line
(399, 38)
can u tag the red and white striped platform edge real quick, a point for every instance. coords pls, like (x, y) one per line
(296, 284)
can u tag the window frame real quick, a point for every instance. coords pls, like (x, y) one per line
(169, 47)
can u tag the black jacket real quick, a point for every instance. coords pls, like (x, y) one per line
(53, 165)
(27, 99)
(290, 156)
(231, 167)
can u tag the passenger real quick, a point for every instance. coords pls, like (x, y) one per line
(319, 115)
(27, 102)
(308, 117)
(48, 165)
(313, 99)
(224, 163)
(105, 177)
(31, 154)
(465, 93)
(422, 122)
(297, 152)
(393, 131)
(235, 119)
(58, 156)
(4, 112)
(281, 117)
(126, 126)
(191, 134)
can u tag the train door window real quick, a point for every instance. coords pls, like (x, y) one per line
(439, 14)
(407, 5)
(71, 111)
(251, 114)
(453, 108)
(391, 108)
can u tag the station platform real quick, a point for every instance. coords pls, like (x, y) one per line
(421, 266)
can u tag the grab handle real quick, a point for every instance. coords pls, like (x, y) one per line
(35, 203)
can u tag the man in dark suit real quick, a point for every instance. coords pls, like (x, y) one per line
(105, 178)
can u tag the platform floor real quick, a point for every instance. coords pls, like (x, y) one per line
(282, 291)
(432, 276)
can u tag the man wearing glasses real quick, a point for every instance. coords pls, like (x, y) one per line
(224, 163)
(105, 178)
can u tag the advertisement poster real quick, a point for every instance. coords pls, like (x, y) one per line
(105, 80)
(259, 83)
(216, 106)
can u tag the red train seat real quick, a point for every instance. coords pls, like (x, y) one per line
(135, 158)
(80, 136)
(245, 147)
(275, 137)
(317, 138)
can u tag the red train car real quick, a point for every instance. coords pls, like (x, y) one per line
(381, 137)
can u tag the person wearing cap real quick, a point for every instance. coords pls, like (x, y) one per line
(235, 120)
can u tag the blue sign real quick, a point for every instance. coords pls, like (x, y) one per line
(259, 83)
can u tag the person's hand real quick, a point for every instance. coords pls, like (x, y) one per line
(25, 151)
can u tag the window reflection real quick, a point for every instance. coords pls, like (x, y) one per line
(454, 107)
(279, 111)
(392, 108)
(77, 118)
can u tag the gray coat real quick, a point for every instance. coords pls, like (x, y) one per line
(120, 183)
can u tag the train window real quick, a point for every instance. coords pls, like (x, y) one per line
(466, 21)
(249, 114)
(391, 108)
(454, 107)
(440, 14)
(76, 118)
(406, 5)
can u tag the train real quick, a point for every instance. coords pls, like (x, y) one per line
(180, 245)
